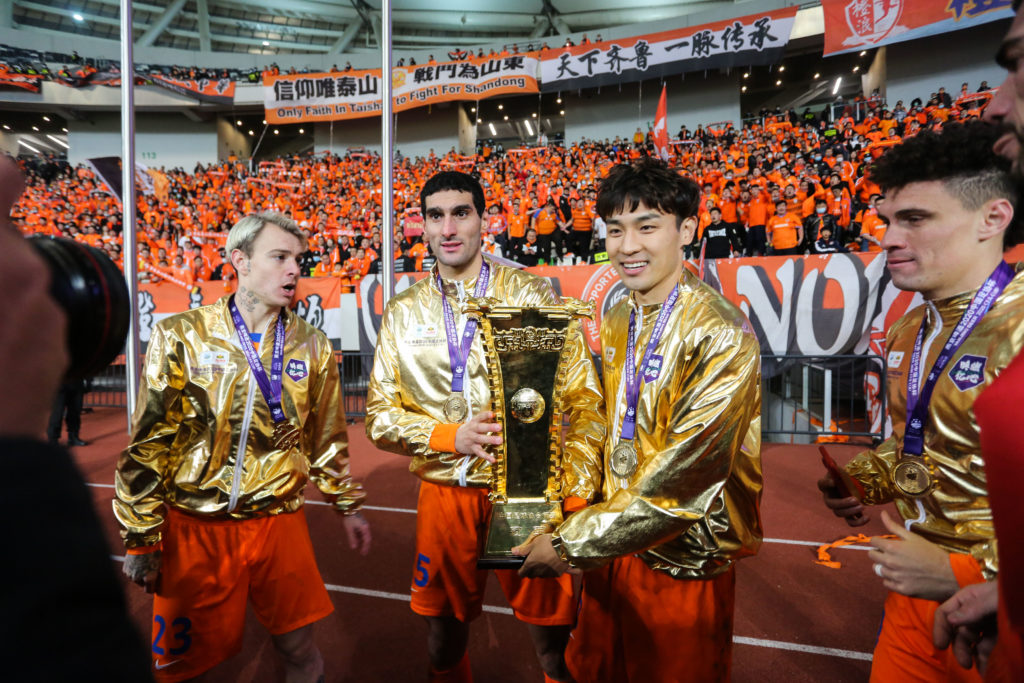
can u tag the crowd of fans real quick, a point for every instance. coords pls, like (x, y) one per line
(783, 183)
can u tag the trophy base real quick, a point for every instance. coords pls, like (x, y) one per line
(510, 525)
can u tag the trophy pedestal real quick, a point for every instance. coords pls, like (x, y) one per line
(510, 525)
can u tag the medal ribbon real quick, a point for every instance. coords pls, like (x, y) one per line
(457, 354)
(634, 383)
(270, 387)
(918, 397)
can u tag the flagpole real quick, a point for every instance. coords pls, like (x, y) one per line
(131, 362)
(387, 158)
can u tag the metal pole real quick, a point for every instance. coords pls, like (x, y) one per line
(132, 361)
(387, 158)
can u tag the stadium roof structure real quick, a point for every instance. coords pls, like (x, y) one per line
(274, 27)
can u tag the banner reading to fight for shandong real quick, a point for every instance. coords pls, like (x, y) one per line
(858, 24)
(745, 41)
(354, 94)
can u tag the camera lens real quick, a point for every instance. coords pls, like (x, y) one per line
(94, 295)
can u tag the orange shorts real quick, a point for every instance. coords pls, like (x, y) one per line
(450, 524)
(636, 624)
(905, 652)
(211, 568)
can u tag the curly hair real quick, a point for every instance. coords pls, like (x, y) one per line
(651, 182)
(959, 156)
(453, 180)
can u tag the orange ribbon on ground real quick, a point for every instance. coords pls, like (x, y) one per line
(825, 559)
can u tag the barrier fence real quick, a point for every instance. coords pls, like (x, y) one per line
(804, 398)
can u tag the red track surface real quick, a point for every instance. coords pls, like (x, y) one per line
(784, 600)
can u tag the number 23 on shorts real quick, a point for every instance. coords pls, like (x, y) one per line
(180, 634)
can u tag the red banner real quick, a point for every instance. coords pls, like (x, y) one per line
(858, 24)
(11, 79)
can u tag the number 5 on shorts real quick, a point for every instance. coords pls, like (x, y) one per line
(422, 573)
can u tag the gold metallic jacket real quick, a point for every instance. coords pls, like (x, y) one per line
(692, 506)
(412, 378)
(957, 514)
(193, 412)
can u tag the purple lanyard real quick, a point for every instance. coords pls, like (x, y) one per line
(918, 399)
(269, 387)
(634, 383)
(457, 355)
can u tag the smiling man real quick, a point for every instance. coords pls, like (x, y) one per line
(239, 407)
(430, 398)
(949, 205)
(681, 491)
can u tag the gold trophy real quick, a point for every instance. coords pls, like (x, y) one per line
(527, 361)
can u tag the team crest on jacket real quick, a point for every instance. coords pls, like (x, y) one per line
(296, 369)
(968, 372)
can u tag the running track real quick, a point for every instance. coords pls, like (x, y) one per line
(795, 621)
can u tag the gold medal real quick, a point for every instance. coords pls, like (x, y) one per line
(286, 435)
(455, 408)
(624, 461)
(912, 477)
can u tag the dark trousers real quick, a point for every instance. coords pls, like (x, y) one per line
(756, 240)
(581, 244)
(67, 406)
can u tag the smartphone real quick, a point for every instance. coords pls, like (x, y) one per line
(846, 485)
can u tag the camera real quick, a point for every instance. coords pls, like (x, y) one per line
(92, 291)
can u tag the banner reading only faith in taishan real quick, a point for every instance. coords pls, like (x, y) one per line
(355, 94)
(858, 24)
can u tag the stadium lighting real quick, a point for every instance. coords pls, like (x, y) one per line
(35, 128)
(839, 82)
(46, 118)
(238, 122)
(534, 114)
(252, 132)
(266, 43)
(493, 131)
(782, 67)
(64, 129)
(506, 117)
(561, 113)
(6, 127)
(863, 52)
(30, 147)
(301, 131)
(479, 120)
(77, 17)
(778, 82)
(276, 131)
(743, 89)
(58, 141)
(473, 109)
(529, 128)
(558, 101)
(856, 69)
(501, 106)
(264, 122)
(817, 75)
(746, 75)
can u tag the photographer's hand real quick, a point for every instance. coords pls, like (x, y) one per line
(33, 353)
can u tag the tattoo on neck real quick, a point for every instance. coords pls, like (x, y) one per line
(248, 299)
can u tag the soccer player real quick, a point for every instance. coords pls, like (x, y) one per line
(239, 407)
(949, 206)
(681, 490)
(429, 398)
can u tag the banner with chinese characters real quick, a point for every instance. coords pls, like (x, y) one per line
(354, 94)
(858, 24)
(745, 41)
(219, 91)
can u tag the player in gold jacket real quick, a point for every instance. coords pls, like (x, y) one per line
(422, 372)
(948, 203)
(680, 500)
(209, 493)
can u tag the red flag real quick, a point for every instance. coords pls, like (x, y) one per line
(661, 125)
